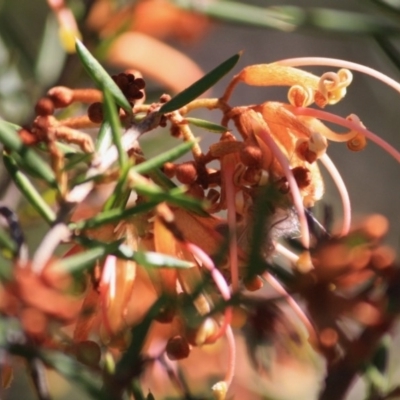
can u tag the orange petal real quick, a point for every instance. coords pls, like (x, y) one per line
(165, 243)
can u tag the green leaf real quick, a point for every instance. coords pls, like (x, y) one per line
(161, 159)
(210, 126)
(6, 242)
(121, 191)
(73, 159)
(104, 138)
(74, 371)
(100, 76)
(240, 13)
(111, 114)
(152, 259)
(175, 196)
(86, 259)
(199, 87)
(112, 216)
(31, 160)
(28, 190)
(290, 18)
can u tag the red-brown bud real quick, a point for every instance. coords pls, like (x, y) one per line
(95, 112)
(44, 107)
(177, 348)
(186, 173)
(61, 96)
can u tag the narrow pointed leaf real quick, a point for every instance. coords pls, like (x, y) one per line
(28, 190)
(31, 160)
(111, 115)
(112, 216)
(161, 159)
(152, 259)
(210, 126)
(74, 371)
(101, 77)
(199, 87)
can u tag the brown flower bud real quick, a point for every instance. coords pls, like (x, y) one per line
(166, 314)
(177, 348)
(302, 176)
(197, 191)
(186, 173)
(304, 153)
(61, 96)
(95, 112)
(251, 156)
(44, 107)
(169, 169)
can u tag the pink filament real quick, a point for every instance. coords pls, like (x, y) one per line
(226, 294)
(297, 201)
(333, 62)
(221, 284)
(311, 112)
(344, 195)
(292, 303)
(232, 356)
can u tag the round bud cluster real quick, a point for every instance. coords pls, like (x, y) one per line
(130, 86)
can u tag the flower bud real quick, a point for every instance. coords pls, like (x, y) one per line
(186, 173)
(44, 107)
(95, 112)
(61, 96)
(177, 348)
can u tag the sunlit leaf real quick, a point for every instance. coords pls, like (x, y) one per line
(161, 159)
(210, 126)
(100, 76)
(199, 87)
(111, 115)
(28, 190)
(31, 160)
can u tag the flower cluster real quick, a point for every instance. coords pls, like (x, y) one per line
(181, 243)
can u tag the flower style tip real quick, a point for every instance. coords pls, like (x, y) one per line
(220, 390)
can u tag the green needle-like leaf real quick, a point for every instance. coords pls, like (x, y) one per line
(161, 159)
(31, 160)
(113, 119)
(28, 190)
(104, 138)
(112, 216)
(86, 259)
(100, 76)
(210, 126)
(199, 87)
(152, 259)
(174, 196)
(74, 371)
(6, 242)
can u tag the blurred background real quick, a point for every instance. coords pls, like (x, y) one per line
(173, 42)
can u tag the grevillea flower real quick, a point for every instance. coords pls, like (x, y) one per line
(276, 149)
